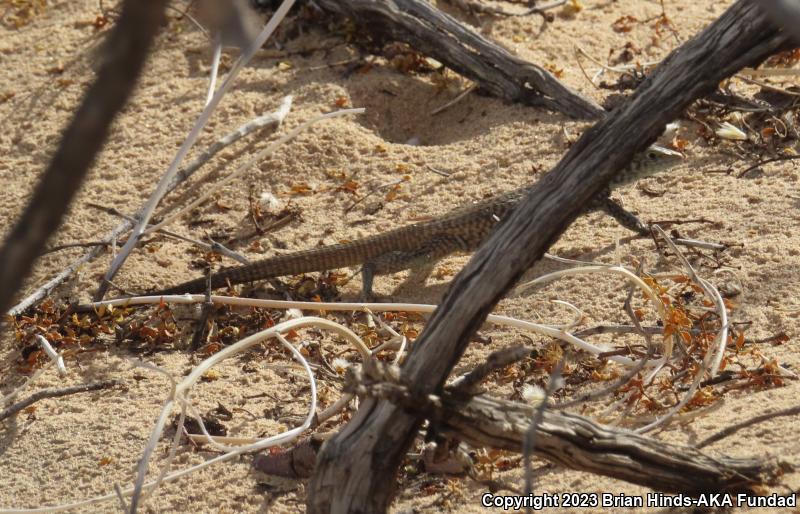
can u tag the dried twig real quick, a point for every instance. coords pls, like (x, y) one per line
(791, 411)
(766, 86)
(126, 50)
(214, 246)
(474, 6)
(437, 34)
(169, 176)
(67, 246)
(529, 440)
(55, 393)
(766, 161)
(496, 360)
(455, 100)
(273, 118)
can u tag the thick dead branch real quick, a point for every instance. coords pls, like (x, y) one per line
(124, 54)
(437, 34)
(785, 13)
(579, 443)
(567, 439)
(356, 469)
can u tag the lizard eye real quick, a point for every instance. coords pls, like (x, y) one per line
(652, 155)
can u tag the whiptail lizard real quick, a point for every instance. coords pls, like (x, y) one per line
(426, 242)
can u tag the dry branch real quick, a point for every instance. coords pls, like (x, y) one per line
(273, 119)
(570, 440)
(356, 469)
(785, 13)
(439, 35)
(124, 56)
(579, 443)
(55, 393)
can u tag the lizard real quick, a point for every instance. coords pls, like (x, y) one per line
(426, 242)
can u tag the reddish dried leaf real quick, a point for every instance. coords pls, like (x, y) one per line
(624, 24)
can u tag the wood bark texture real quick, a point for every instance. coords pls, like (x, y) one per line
(357, 467)
(579, 443)
(437, 34)
(568, 439)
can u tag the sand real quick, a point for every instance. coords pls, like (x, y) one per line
(76, 447)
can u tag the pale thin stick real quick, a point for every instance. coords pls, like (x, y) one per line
(395, 336)
(215, 57)
(378, 307)
(471, 6)
(259, 156)
(616, 270)
(217, 441)
(340, 404)
(791, 411)
(123, 503)
(374, 191)
(770, 72)
(651, 351)
(161, 188)
(766, 86)
(54, 356)
(180, 392)
(617, 329)
(48, 287)
(711, 359)
(715, 297)
(155, 435)
(455, 100)
(13, 394)
(616, 69)
(211, 247)
(275, 117)
(529, 443)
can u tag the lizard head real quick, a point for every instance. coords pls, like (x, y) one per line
(658, 157)
(651, 161)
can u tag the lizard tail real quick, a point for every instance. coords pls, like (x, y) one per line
(317, 259)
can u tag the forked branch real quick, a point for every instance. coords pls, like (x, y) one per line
(356, 469)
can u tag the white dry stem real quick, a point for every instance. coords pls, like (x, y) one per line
(712, 359)
(161, 188)
(215, 58)
(54, 356)
(615, 270)
(155, 435)
(576, 320)
(770, 72)
(276, 117)
(545, 330)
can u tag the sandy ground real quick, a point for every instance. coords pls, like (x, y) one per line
(77, 447)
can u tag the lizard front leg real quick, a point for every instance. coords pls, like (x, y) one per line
(624, 217)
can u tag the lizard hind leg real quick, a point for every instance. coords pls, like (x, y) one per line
(420, 259)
